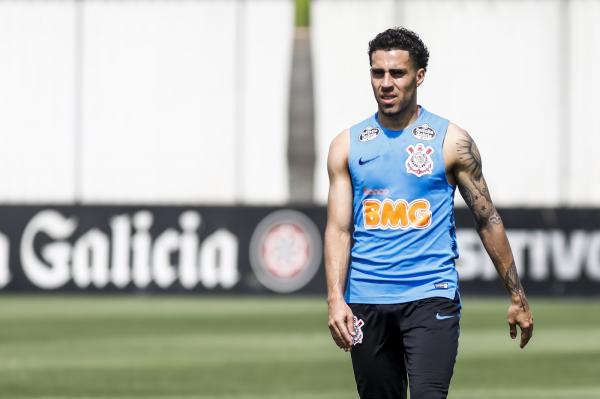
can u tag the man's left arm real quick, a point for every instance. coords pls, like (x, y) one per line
(466, 170)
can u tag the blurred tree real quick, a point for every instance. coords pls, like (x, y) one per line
(302, 12)
(301, 140)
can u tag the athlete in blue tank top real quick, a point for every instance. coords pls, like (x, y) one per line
(404, 242)
(390, 242)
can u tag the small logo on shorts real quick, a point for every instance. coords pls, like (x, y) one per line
(441, 286)
(424, 132)
(440, 317)
(358, 333)
(369, 133)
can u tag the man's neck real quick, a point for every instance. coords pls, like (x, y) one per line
(401, 120)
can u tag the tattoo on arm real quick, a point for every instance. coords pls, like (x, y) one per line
(513, 284)
(473, 187)
(475, 192)
(495, 218)
(467, 195)
(470, 157)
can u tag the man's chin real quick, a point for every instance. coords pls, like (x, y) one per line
(392, 111)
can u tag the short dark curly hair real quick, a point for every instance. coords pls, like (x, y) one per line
(400, 38)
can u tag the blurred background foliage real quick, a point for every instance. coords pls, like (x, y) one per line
(302, 12)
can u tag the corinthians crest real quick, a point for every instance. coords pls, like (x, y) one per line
(419, 160)
(358, 333)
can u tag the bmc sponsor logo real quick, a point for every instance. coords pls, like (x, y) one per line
(399, 214)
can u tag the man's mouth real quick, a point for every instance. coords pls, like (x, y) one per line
(388, 98)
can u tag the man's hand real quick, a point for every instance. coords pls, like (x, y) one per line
(341, 324)
(520, 315)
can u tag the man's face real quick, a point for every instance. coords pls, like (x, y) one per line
(394, 79)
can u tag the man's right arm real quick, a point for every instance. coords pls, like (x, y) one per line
(337, 241)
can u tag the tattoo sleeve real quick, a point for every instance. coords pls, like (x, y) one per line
(513, 285)
(469, 156)
(474, 190)
(473, 186)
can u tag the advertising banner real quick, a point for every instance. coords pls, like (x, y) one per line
(259, 250)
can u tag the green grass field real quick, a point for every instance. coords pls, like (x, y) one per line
(232, 348)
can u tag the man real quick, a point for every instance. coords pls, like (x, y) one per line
(393, 297)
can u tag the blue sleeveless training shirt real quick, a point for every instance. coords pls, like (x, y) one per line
(404, 235)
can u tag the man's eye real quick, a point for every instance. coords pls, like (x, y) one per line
(377, 73)
(397, 74)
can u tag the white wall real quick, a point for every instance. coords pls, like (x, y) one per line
(37, 101)
(583, 101)
(267, 57)
(495, 69)
(180, 101)
(187, 101)
(158, 107)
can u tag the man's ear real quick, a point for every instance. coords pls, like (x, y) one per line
(420, 76)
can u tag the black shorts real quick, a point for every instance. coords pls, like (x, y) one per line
(412, 343)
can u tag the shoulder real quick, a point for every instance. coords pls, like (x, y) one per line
(455, 132)
(338, 150)
(340, 142)
(457, 140)
(462, 154)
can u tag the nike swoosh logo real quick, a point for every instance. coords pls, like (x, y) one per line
(440, 317)
(364, 161)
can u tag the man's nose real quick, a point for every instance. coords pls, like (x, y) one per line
(387, 80)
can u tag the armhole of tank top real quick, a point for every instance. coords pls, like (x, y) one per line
(452, 186)
(348, 160)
